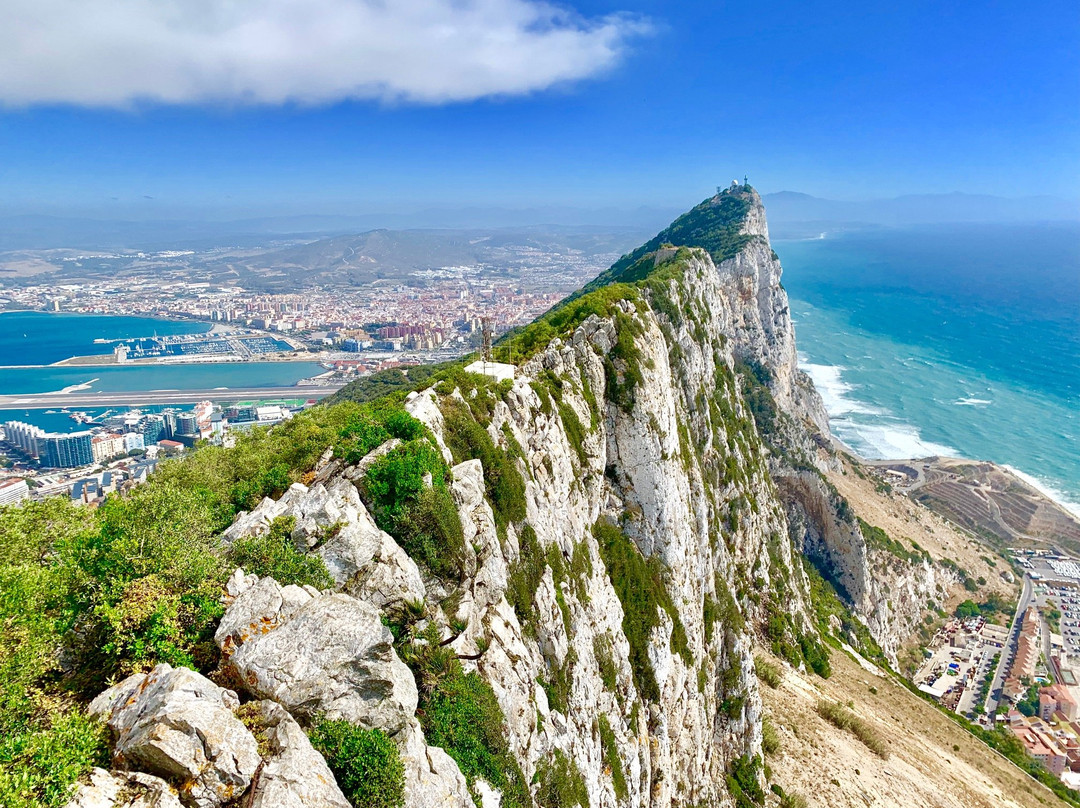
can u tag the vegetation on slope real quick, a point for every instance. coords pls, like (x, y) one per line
(714, 225)
(639, 583)
(138, 581)
(366, 764)
(844, 719)
(460, 713)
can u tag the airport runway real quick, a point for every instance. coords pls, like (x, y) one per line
(79, 399)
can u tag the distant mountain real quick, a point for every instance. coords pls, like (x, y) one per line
(789, 208)
(357, 259)
(41, 232)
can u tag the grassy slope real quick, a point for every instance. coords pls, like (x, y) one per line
(933, 761)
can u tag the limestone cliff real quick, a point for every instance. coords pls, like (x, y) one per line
(625, 543)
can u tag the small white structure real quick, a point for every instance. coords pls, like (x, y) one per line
(499, 371)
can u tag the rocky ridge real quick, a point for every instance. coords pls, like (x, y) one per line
(645, 481)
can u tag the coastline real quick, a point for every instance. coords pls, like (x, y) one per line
(879, 430)
(939, 463)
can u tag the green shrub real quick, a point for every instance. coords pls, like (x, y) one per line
(387, 382)
(395, 480)
(275, 555)
(365, 763)
(145, 586)
(430, 531)
(639, 583)
(605, 661)
(461, 714)
(622, 365)
(770, 738)
(41, 760)
(467, 440)
(815, 654)
(559, 783)
(575, 432)
(742, 782)
(422, 517)
(610, 750)
(768, 672)
(524, 578)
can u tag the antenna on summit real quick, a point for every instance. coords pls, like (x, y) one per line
(485, 340)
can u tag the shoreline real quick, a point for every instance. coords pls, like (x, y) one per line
(840, 404)
(938, 462)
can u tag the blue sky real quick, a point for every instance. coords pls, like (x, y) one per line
(328, 107)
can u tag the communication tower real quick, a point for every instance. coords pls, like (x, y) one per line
(485, 339)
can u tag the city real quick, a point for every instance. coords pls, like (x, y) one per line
(1021, 676)
(118, 449)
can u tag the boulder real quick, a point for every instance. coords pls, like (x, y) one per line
(327, 654)
(432, 778)
(367, 563)
(255, 522)
(262, 607)
(294, 775)
(177, 724)
(331, 520)
(102, 789)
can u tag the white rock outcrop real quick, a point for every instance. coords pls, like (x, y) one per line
(332, 521)
(317, 654)
(295, 775)
(178, 725)
(102, 789)
(432, 778)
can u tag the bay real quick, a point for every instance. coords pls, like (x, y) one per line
(41, 338)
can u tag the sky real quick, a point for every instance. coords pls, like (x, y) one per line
(233, 108)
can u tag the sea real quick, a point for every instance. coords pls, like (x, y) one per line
(953, 340)
(31, 341)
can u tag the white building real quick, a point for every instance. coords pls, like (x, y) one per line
(13, 491)
(106, 446)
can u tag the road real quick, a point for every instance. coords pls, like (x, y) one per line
(1009, 648)
(141, 398)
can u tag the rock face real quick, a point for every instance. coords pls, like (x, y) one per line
(103, 789)
(650, 500)
(317, 654)
(888, 592)
(331, 520)
(678, 466)
(179, 725)
(432, 778)
(296, 775)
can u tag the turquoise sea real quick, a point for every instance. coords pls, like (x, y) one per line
(959, 340)
(37, 338)
(41, 338)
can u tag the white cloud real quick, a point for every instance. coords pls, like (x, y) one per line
(112, 53)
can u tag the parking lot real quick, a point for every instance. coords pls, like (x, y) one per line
(1065, 598)
(962, 659)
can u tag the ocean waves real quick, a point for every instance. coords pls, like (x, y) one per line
(873, 432)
